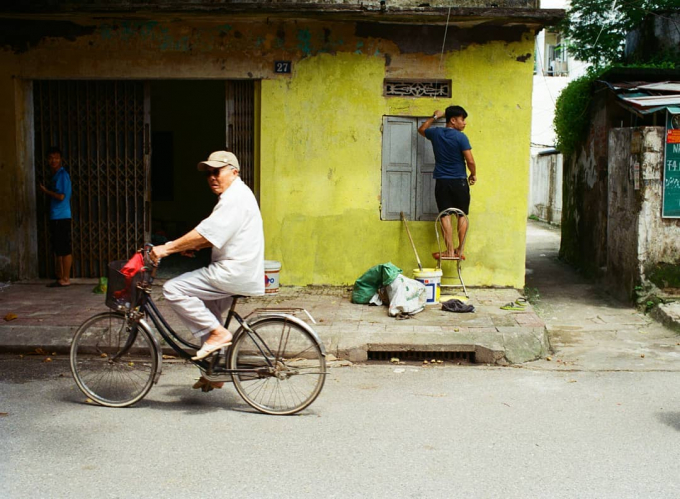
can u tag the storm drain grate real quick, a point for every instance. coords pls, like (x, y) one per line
(417, 355)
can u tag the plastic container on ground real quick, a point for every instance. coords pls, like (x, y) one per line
(432, 279)
(271, 276)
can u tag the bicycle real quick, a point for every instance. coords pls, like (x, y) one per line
(276, 361)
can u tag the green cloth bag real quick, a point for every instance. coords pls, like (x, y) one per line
(373, 279)
(100, 288)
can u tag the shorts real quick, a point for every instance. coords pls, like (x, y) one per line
(452, 193)
(61, 236)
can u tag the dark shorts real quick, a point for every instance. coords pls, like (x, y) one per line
(61, 236)
(452, 193)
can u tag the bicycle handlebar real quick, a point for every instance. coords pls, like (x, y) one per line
(148, 263)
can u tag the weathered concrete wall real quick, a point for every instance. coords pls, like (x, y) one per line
(658, 33)
(625, 201)
(584, 200)
(320, 138)
(545, 188)
(659, 238)
(638, 238)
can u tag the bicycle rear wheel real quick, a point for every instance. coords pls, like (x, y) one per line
(113, 361)
(280, 366)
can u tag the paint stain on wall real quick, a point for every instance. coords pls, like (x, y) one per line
(304, 36)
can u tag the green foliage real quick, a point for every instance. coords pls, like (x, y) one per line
(651, 303)
(572, 118)
(534, 217)
(596, 29)
(532, 295)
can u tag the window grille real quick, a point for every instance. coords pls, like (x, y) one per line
(417, 88)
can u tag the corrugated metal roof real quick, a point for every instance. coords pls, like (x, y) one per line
(665, 86)
(652, 100)
(645, 97)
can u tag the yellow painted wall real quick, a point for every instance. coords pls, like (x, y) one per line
(321, 171)
(320, 137)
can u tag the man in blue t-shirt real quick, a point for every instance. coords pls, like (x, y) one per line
(452, 153)
(60, 217)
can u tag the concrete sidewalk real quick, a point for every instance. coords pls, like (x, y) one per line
(48, 317)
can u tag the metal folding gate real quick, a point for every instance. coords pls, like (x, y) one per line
(102, 128)
(240, 114)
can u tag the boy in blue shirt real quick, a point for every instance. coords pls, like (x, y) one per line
(452, 153)
(60, 217)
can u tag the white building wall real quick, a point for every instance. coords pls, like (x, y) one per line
(545, 190)
(545, 173)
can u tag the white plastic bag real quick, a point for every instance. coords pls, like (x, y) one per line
(407, 296)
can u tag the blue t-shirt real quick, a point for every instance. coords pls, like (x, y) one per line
(61, 184)
(448, 145)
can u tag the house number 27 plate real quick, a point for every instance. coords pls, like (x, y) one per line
(282, 66)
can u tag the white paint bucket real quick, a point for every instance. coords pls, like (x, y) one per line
(271, 276)
(432, 279)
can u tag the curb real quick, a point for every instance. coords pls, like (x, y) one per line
(506, 345)
(668, 314)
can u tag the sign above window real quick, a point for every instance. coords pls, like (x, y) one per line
(417, 88)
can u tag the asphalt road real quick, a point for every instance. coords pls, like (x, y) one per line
(451, 431)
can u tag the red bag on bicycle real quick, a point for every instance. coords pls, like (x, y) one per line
(134, 265)
(129, 270)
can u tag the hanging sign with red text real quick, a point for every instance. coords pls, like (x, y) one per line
(671, 167)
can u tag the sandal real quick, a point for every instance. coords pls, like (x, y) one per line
(512, 306)
(209, 348)
(200, 384)
(206, 386)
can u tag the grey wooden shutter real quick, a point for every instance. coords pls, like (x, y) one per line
(426, 206)
(398, 167)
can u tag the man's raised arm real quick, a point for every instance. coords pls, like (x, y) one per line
(428, 122)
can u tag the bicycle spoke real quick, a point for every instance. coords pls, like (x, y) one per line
(102, 370)
(277, 387)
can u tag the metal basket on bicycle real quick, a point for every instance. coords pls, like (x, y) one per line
(122, 292)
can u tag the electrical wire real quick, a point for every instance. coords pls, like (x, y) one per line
(444, 41)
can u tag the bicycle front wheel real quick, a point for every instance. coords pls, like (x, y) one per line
(113, 360)
(279, 366)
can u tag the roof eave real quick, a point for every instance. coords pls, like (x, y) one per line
(463, 16)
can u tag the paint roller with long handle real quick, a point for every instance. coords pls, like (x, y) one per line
(420, 267)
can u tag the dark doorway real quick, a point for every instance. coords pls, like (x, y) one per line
(131, 148)
(188, 122)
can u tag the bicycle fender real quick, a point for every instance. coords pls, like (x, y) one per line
(159, 352)
(295, 320)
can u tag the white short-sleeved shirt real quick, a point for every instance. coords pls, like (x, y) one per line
(234, 228)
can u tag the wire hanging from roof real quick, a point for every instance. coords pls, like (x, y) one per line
(444, 41)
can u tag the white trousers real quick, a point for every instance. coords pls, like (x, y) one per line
(199, 304)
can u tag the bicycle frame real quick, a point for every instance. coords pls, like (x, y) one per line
(275, 359)
(146, 306)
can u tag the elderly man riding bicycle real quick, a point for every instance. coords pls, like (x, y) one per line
(234, 232)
